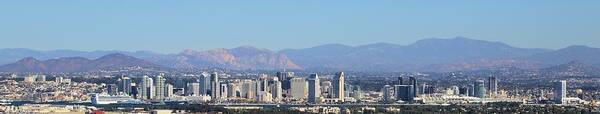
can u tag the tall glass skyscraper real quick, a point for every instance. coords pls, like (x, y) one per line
(284, 78)
(413, 82)
(215, 86)
(204, 81)
(492, 85)
(404, 92)
(560, 91)
(314, 88)
(125, 85)
(479, 89)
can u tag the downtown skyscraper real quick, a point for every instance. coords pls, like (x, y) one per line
(159, 85)
(193, 89)
(205, 84)
(492, 86)
(125, 85)
(339, 86)
(479, 89)
(147, 88)
(299, 88)
(314, 88)
(215, 86)
(560, 91)
(413, 82)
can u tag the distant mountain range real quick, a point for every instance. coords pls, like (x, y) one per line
(241, 58)
(76, 64)
(425, 55)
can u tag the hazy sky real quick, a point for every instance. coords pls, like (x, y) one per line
(173, 25)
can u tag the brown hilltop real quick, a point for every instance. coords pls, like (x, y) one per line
(241, 58)
(75, 64)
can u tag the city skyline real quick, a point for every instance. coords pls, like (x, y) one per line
(288, 57)
(164, 28)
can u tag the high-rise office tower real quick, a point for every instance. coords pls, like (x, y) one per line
(125, 85)
(327, 89)
(400, 81)
(560, 91)
(135, 91)
(479, 89)
(147, 88)
(284, 78)
(262, 83)
(314, 88)
(492, 86)
(204, 81)
(387, 93)
(111, 89)
(193, 89)
(215, 86)
(276, 90)
(179, 83)
(233, 90)
(248, 89)
(413, 82)
(223, 90)
(338, 86)
(299, 88)
(471, 90)
(404, 92)
(262, 89)
(159, 85)
(168, 90)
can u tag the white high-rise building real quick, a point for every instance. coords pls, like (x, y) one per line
(168, 90)
(233, 89)
(193, 89)
(327, 89)
(262, 83)
(299, 88)
(248, 89)
(338, 86)
(223, 91)
(276, 90)
(262, 89)
(560, 91)
(388, 93)
(314, 89)
(147, 88)
(159, 84)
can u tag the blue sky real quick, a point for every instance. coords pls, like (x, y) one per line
(171, 26)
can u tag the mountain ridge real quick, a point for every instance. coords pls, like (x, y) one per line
(433, 54)
(76, 64)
